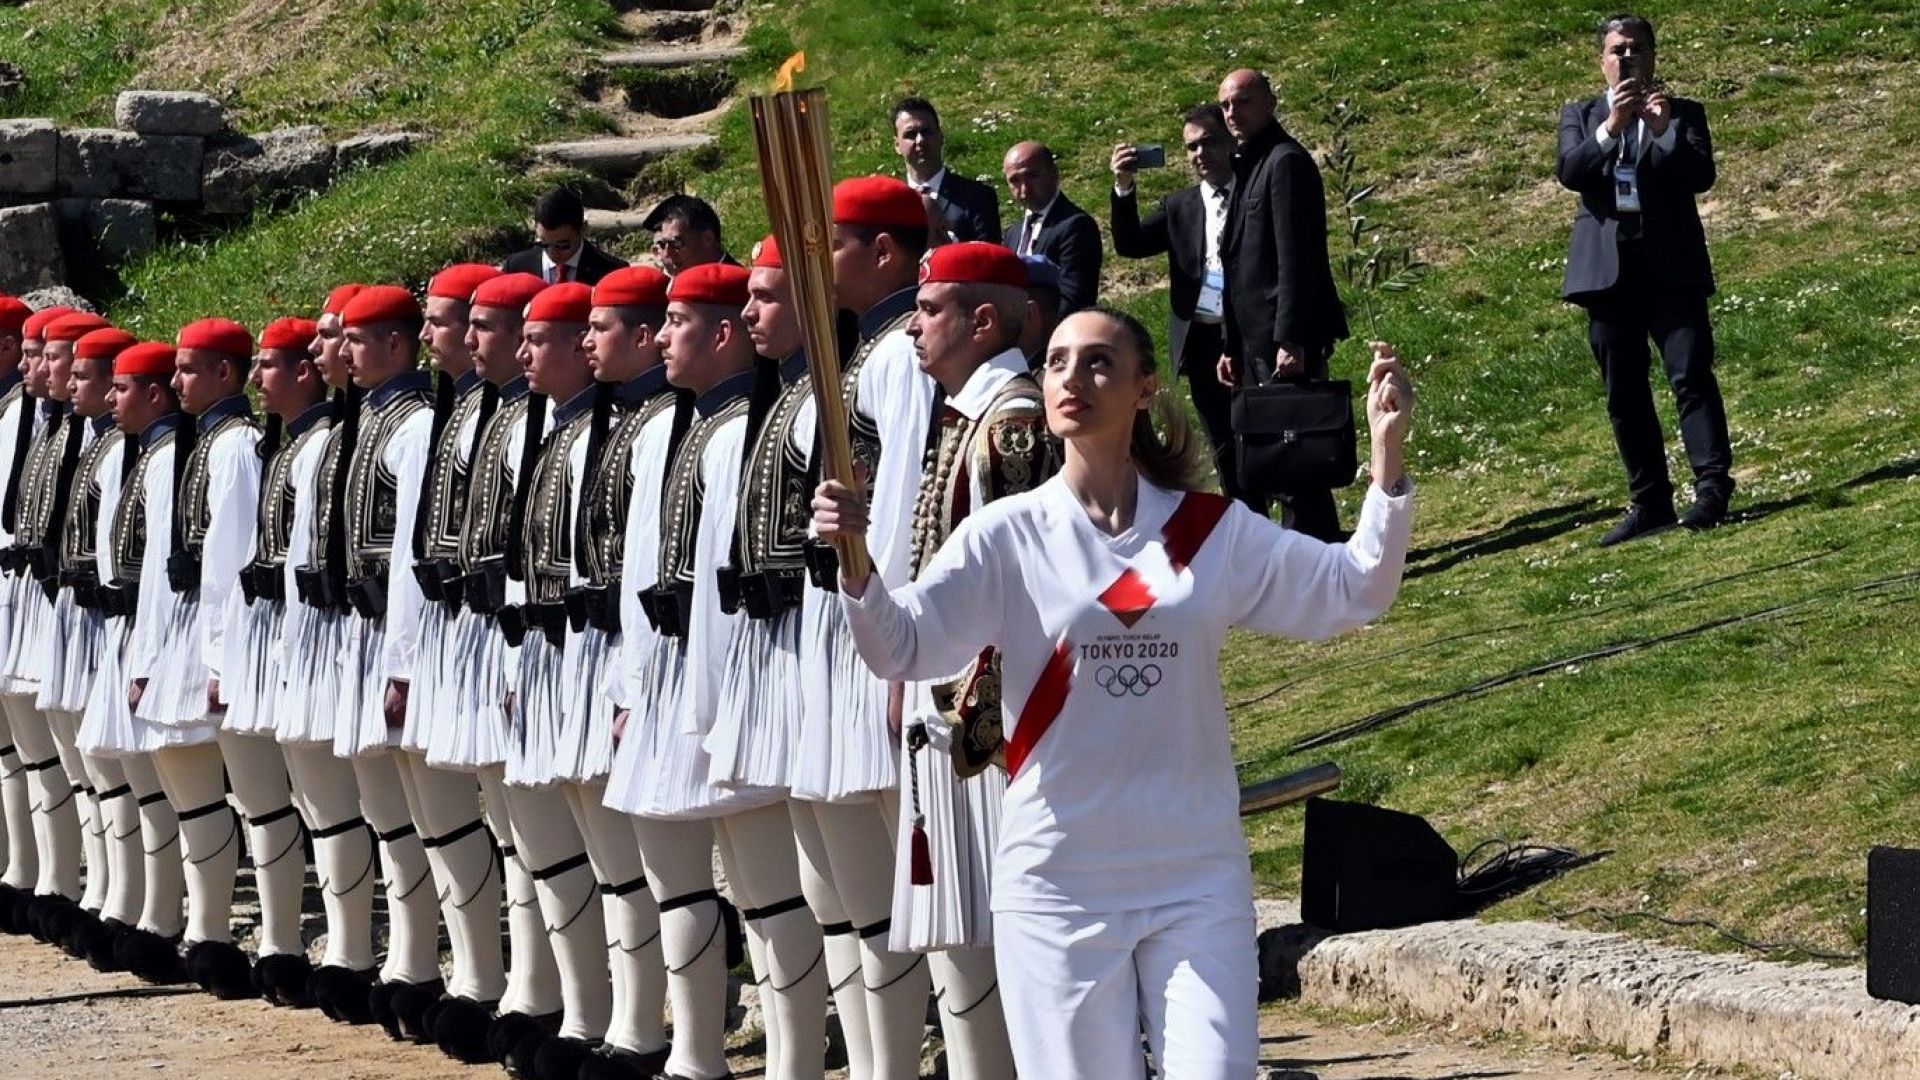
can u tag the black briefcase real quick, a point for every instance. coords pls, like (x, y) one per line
(1296, 436)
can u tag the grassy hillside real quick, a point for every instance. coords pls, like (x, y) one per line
(1750, 725)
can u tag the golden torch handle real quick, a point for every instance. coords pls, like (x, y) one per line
(1289, 789)
(796, 177)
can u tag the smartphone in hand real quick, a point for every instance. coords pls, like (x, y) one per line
(1150, 157)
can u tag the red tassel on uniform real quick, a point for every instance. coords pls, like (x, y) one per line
(922, 856)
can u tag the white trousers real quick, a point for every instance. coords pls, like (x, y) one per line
(1080, 988)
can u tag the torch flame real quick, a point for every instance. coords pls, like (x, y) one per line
(783, 82)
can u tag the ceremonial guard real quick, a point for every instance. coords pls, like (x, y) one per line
(17, 857)
(49, 868)
(385, 465)
(47, 479)
(134, 491)
(446, 802)
(846, 765)
(115, 873)
(660, 772)
(635, 417)
(472, 735)
(294, 397)
(179, 647)
(539, 560)
(343, 845)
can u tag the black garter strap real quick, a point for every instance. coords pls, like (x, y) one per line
(202, 811)
(268, 819)
(625, 888)
(562, 867)
(346, 826)
(155, 797)
(400, 833)
(792, 903)
(508, 851)
(453, 837)
(41, 766)
(836, 929)
(9, 750)
(120, 792)
(874, 930)
(689, 899)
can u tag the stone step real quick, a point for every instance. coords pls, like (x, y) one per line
(608, 224)
(666, 26)
(618, 157)
(666, 57)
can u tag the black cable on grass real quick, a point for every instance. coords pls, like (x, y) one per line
(1785, 947)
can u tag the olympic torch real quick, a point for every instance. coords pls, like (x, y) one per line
(1289, 789)
(796, 177)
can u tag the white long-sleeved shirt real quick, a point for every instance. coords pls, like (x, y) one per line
(898, 396)
(1123, 794)
(406, 461)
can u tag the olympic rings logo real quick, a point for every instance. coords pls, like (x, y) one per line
(1135, 679)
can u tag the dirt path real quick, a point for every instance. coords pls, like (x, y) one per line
(192, 1035)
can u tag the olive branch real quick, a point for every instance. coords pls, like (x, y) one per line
(1372, 262)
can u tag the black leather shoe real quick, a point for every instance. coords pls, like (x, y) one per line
(342, 993)
(285, 979)
(221, 969)
(410, 1004)
(459, 1028)
(616, 1063)
(1708, 510)
(1640, 521)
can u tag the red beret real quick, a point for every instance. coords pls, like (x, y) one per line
(766, 254)
(711, 283)
(458, 281)
(72, 325)
(107, 341)
(338, 299)
(289, 333)
(567, 302)
(974, 262)
(878, 202)
(631, 286)
(378, 304)
(509, 291)
(153, 358)
(13, 314)
(36, 323)
(217, 335)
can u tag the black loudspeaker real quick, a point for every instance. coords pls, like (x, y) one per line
(1893, 924)
(1366, 868)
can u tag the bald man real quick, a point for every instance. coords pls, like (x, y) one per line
(1283, 313)
(1052, 225)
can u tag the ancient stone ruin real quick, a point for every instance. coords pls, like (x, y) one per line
(73, 198)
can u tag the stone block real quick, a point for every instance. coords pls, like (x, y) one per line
(169, 112)
(100, 163)
(251, 171)
(30, 255)
(377, 149)
(114, 230)
(29, 157)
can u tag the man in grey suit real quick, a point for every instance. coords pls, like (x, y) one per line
(1053, 225)
(970, 208)
(1638, 264)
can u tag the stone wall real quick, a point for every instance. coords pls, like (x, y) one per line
(73, 197)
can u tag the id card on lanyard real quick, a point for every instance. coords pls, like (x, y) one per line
(1212, 293)
(1626, 178)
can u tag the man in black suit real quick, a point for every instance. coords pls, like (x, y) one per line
(1639, 265)
(970, 208)
(1188, 228)
(560, 251)
(1283, 312)
(1052, 225)
(686, 232)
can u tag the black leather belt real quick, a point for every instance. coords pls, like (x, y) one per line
(549, 619)
(263, 581)
(485, 589)
(368, 595)
(183, 571)
(85, 585)
(117, 598)
(669, 608)
(767, 594)
(319, 589)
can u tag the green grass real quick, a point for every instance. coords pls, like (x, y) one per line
(1740, 772)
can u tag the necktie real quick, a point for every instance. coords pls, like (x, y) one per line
(1033, 233)
(562, 273)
